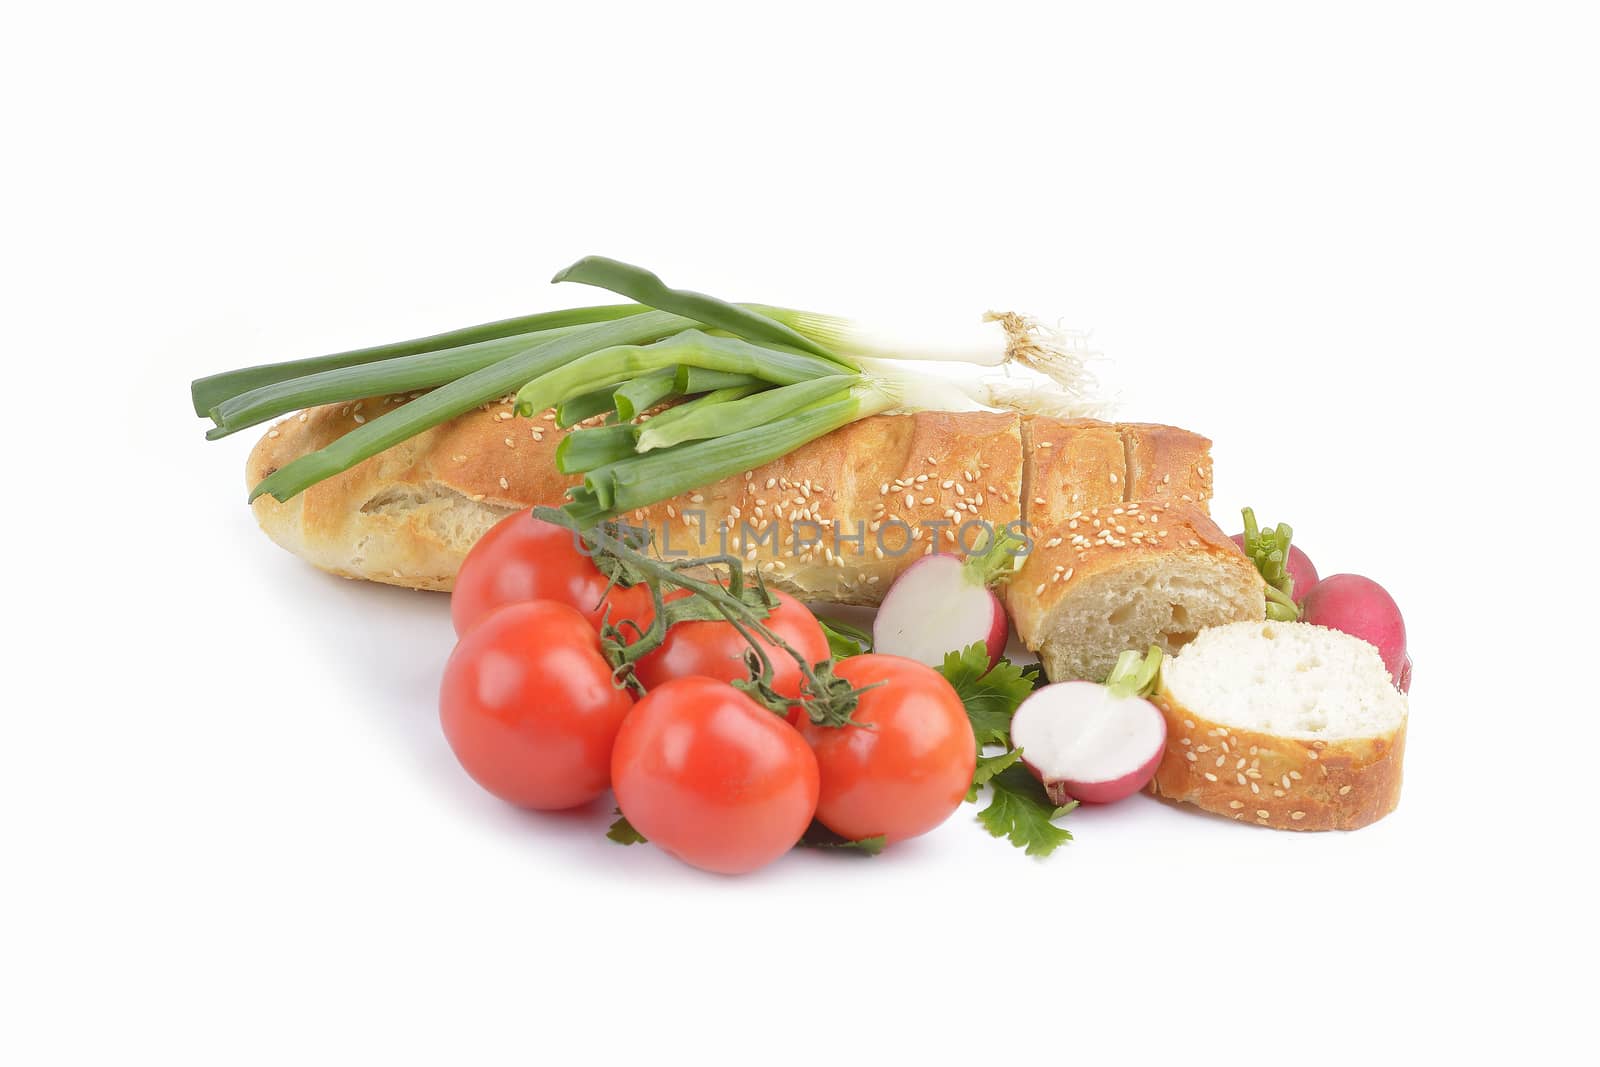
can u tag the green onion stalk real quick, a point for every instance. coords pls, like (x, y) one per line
(745, 384)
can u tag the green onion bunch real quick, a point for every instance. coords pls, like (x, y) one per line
(749, 383)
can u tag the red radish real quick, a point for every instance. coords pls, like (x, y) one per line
(1362, 608)
(1086, 743)
(1298, 564)
(943, 604)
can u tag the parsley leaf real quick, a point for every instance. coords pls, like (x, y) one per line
(990, 694)
(988, 767)
(623, 833)
(1018, 809)
(819, 836)
(844, 639)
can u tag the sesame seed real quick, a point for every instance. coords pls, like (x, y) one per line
(1344, 789)
(272, 433)
(1038, 589)
(1236, 804)
(359, 418)
(911, 501)
(1113, 477)
(1262, 813)
(1210, 777)
(1190, 756)
(504, 484)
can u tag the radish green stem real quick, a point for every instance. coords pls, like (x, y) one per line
(1135, 675)
(719, 420)
(998, 559)
(459, 397)
(636, 283)
(1269, 550)
(206, 393)
(615, 365)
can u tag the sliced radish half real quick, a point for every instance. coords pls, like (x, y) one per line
(935, 607)
(1086, 743)
(944, 604)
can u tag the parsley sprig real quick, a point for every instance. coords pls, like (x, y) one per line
(1018, 808)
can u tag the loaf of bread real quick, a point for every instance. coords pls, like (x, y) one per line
(1282, 724)
(836, 520)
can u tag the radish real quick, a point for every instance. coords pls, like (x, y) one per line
(1094, 743)
(1362, 608)
(943, 604)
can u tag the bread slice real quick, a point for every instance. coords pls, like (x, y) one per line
(1123, 576)
(1282, 724)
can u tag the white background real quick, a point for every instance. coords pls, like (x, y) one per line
(1355, 245)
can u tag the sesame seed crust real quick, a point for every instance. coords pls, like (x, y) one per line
(1318, 785)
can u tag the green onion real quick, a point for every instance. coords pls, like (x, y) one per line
(642, 480)
(206, 393)
(636, 283)
(693, 380)
(575, 409)
(399, 375)
(694, 347)
(741, 414)
(461, 396)
(715, 398)
(596, 446)
(635, 397)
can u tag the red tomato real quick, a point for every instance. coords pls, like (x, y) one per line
(523, 558)
(716, 650)
(714, 778)
(529, 708)
(906, 774)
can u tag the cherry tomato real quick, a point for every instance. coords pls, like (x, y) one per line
(523, 558)
(711, 776)
(529, 708)
(911, 769)
(710, 649)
